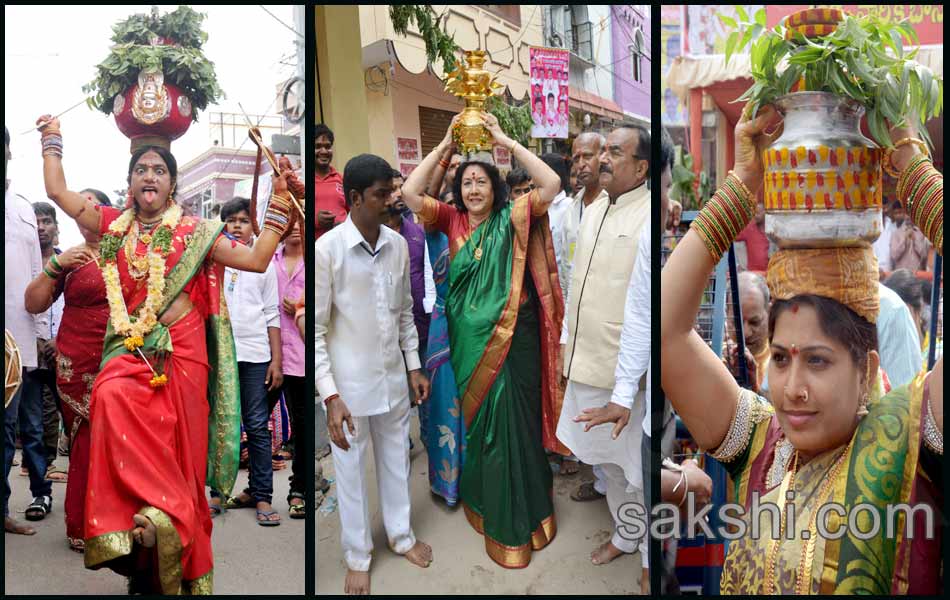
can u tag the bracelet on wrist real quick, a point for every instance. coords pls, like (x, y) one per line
(330, 397)
(725, 215)
(47, 272)
(888, 161)
(55, 262)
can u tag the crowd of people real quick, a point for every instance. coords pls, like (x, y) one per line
(149, 348)
(495, 305)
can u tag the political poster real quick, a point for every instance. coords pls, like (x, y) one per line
(549, 92)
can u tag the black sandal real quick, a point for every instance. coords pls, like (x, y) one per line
(297, 511)
(39, 508)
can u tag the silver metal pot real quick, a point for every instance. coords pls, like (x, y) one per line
(822, 176)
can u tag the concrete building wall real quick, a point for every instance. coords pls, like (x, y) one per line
(632, 96)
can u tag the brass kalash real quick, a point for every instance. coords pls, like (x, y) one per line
(475, 85)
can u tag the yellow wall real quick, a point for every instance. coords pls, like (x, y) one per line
(341, 89)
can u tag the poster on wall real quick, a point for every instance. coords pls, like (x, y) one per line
(407, 168)
(407, 148)
(549, 96)
(502, 158)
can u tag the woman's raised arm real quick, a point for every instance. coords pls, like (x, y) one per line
(414, 188)
(699, 386)
(257, 257)
(73, 204)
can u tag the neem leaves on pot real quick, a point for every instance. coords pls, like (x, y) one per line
(170, 43)
(862, 58)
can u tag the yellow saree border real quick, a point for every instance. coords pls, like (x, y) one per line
(917, 387)
(203, 586)
(116, 544)
(512, 557)
(496, 350)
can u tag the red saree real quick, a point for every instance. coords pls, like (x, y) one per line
(154, 449)
(79, 351)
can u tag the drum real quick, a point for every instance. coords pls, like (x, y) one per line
(13, 367)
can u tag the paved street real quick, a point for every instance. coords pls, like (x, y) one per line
(461, 565)
(249, 559)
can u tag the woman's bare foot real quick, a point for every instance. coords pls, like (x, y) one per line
(357, 583)
(144, 532)
(11, 525)
(420, 554)
(604, 554)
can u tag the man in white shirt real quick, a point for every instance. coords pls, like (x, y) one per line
(608, 239)
(21, 246)
(365, 340)
(254, 309)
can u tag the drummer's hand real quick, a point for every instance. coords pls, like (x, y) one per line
(902, 156)
(47, 121)
(751, 138)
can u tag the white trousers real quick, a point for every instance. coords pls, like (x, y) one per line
(617, 462)
(390, 434)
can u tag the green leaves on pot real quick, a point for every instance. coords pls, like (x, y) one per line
(183, 63)
(863, 59)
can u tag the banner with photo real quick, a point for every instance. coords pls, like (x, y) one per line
(549, 95)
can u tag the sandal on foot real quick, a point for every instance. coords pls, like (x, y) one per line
(266, 520)
(237, 502)
(39, 508)
(297, 511)
(56, 475)
(585, 492)
(216, 509)
(77, 544)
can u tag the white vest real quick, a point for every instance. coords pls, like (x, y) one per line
(607, 241)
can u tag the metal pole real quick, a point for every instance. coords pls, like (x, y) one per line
(737, 318)
(300, 24)
(934, 313)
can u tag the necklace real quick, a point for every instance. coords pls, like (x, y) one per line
(137, 263)
(478, 249)
(803, 575)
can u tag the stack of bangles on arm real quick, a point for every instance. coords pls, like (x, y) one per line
(725, 215)
(52, 142)
(921, 188)
(53, 269)
(277, 216)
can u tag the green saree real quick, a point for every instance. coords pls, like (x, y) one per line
(503, 332)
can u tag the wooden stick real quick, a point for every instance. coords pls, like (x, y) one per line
(38, 127)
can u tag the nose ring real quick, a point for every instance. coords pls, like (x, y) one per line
(804, 395)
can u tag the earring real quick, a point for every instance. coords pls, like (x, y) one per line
(129, 199)
(863, 407)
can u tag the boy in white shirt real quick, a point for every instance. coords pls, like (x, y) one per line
(365, 341)
(253, 306)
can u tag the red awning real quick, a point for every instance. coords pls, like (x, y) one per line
(581, 100)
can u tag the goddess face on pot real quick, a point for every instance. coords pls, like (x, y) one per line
(150, 102)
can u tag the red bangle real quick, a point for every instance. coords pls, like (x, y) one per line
(330, 397)
(443, 163)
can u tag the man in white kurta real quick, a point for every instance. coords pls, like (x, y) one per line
(607, 243)
(365, 341)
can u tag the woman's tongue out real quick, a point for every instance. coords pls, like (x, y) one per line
(150, 195)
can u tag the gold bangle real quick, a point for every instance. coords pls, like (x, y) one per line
(888, 162)
(511, 149)
(745, 188)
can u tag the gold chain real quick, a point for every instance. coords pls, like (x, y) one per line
(803, 576)
(138, 264)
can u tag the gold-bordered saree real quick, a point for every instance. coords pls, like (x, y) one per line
(504, 310)
(153, 450)
(885, 465)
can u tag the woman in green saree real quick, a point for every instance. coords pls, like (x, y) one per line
(504, 310)
(829, 435)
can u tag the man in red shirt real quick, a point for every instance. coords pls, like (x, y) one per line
(329, 201)
(756, 243)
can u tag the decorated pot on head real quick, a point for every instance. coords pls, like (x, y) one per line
(823, 184)
(152, 111)
(474, 85)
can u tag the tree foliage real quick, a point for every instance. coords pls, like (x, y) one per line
(439, 44)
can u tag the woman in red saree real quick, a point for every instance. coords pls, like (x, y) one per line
(163, 411)
(78, 353)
